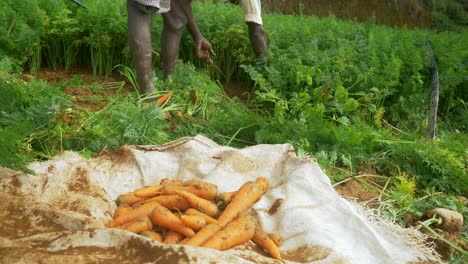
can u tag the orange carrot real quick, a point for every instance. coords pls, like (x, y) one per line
(148, 191)
(179, 114)
(129, 199)
(266, 243)
(151, 234)
(203, 235)
(172, 237)
(172, 202)
(235, 233)
(276, 238)
(164, 217)
(224, 199)
(200, 204)
(143, 210)
(195, 222)
(122, 209)
(139, 225)
(161, 100)
(204, 190)
(208, 219)
(247, 195)
(167, 181)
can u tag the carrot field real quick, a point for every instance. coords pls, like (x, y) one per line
(353, 95)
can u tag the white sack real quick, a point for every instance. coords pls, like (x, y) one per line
(59, 215)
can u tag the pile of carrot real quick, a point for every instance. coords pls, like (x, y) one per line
(193, 213)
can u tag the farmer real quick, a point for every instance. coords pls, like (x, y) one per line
(253, 18)
(181, 15)
(140, 13)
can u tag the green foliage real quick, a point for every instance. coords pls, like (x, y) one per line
(125, 121)
(21, 25)
(27, 110)
(440, 164)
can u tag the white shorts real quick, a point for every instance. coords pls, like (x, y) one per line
(163, 6)
(252, 11)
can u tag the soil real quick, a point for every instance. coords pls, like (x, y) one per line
(85, 97)
(77, 82)
(357, 191)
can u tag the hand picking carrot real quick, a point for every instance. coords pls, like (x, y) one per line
(143, 210)
(235, 233)
(266, 243)
(203, 235)
(139, 225)
(148, 191)
(161, 100)
(172, 202)
(208, 219)
(164, 217)
(195, 222)
(151, 234)
(122, 209)
(200, 204)
(247, 195)
(224, 199)
(275, 238)
(172, 237)
(129, 199)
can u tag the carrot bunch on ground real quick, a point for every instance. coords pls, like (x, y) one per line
(193, 213)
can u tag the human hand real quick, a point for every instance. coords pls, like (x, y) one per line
(203, 49)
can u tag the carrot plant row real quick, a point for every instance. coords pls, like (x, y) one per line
(187, 213)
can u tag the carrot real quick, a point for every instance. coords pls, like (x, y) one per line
(276, 238)
(200, 204)
(266, 243)
(204, 190)
(169, 201)
(143, 210)
(203, 235)
(161, 100)
(247, 195)
(235, 233)
(151, 234)
(195, 222)
(148, 191)
(139, 225)
(208, 219)
(172, 237)
(122, 209)
(179, 114)
(129, 199)
(164, 217)
(167, 181)
(224, 198)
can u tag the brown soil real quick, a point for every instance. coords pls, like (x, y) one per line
(355, 190)
(83, 96)
(93, 100)
(238, 89)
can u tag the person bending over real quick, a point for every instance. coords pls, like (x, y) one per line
(140, 13)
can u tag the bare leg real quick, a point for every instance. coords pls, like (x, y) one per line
(257, 39)
(174, 24)
(139, 39)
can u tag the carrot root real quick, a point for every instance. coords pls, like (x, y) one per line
(235, 233)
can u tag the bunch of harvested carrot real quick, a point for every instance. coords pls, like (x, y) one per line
(192, 213)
